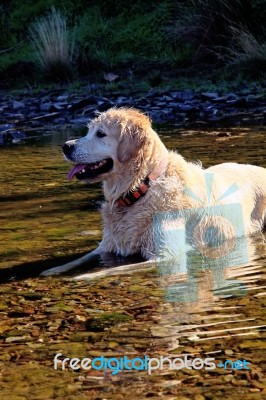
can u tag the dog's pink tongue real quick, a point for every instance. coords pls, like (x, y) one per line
(75, 170)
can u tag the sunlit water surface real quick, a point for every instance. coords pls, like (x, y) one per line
(203, 307)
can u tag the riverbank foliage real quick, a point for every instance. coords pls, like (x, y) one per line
(139, 40)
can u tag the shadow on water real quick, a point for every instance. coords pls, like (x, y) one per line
(34, 269)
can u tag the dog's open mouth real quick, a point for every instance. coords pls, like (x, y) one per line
(90, 171)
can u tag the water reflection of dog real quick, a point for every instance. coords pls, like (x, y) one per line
(197, 280)
(195, 287)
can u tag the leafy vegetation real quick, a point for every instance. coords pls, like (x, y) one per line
(147, 40)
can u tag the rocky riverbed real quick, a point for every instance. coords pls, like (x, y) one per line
(26, 112)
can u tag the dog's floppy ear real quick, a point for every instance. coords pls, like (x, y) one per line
(132, 140)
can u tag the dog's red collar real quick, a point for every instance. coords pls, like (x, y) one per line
(133, 196)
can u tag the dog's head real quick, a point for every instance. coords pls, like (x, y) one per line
(114, 138)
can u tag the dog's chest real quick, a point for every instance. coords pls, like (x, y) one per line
(124, 229)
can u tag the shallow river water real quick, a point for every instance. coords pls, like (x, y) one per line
(212, 309)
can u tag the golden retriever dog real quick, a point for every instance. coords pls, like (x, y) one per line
(142, 179)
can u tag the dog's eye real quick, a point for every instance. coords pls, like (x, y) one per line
(100, 134)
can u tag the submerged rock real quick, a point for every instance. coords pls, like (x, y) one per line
(10, 136)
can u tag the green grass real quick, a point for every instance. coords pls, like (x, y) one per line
(120, 41)
(53, 45)
(247, 53)
(140, 41)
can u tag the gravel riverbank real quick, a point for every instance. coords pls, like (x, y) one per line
(25, 112)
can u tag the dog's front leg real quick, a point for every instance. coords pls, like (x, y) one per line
(119, 270)
(75, 263)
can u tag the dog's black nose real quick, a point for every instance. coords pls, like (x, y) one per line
(67, 148)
